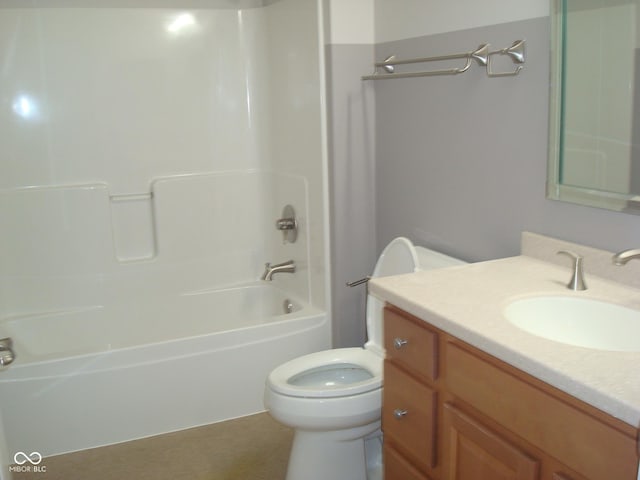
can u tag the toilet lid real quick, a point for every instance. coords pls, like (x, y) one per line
(397, 258)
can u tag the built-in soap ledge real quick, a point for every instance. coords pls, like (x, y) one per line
(132, 222)
(86, 225)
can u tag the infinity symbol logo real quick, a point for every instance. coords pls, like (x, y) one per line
(34, 458)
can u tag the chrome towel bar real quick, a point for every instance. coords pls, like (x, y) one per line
(481, 55)
(515, 52)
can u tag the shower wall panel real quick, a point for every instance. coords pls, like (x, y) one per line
(151, 149)
(210, 230)
(297, 129)
(120, 96)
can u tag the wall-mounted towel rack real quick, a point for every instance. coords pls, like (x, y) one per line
(515, 52)
(481, 55)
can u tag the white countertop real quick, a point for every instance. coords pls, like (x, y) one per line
(467, 302)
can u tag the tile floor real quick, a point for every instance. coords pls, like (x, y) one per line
(248, 448)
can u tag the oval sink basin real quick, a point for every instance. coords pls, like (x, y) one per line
(578, 321)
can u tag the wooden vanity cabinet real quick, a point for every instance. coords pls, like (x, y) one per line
(453, 412)
(410, 397)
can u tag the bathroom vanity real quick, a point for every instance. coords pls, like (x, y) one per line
(450, 411)
(469, 396)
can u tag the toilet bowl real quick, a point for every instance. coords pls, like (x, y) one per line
(332, 399)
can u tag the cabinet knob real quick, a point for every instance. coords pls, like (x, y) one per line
(399, 413)
(399, 342)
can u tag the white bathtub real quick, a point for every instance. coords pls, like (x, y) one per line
(148, 368)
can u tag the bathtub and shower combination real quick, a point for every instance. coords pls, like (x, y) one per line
(146, 156)
(77, 383)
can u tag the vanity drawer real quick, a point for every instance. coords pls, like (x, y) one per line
(581, 440)
(410, 343)
(409, 415)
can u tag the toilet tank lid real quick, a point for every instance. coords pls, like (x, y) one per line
(398, 257)
(402, 256)
(430, 259)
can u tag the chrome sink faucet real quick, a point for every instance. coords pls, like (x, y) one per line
(284, 267)
(621, 258)
(577, 282)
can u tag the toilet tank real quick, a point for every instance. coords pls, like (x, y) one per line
(430, 259)
(399, 257)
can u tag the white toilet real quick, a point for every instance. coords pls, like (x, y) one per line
(333, 398)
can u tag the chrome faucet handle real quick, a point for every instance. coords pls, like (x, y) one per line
(577, 282)
(288, 225)
(7, 355)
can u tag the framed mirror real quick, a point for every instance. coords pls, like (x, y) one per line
(594, 154)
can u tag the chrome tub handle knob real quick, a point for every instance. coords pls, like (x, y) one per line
(7, 355)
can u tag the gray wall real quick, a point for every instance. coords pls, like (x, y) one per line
(634, 184)
(352, 180)
(461, 160)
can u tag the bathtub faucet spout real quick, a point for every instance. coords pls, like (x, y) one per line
(284, 267)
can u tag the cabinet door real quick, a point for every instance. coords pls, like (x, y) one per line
(397, 467)
(473, 452)
(566, 476)
(583, 440)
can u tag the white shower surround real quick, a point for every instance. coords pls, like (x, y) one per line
(142, 161)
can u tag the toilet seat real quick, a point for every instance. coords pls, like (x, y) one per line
(355, 370)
